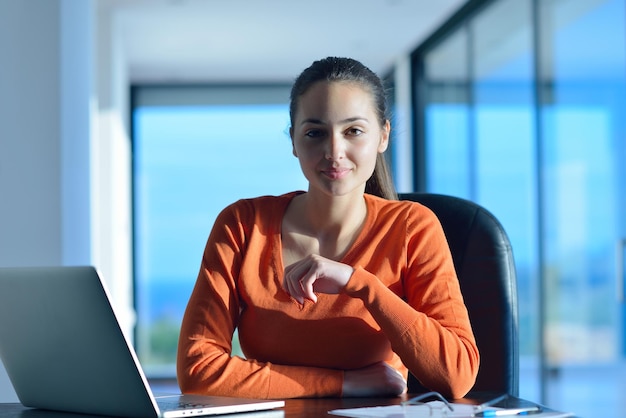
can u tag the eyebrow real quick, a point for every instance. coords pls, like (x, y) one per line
(348, 120)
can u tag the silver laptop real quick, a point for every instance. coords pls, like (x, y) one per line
(64, 350)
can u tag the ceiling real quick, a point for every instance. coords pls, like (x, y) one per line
(265, 40)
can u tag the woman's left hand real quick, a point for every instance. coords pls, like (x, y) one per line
(315, 273)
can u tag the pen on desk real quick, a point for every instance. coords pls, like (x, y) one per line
(507, 412)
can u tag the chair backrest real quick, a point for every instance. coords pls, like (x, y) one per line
(483, 259)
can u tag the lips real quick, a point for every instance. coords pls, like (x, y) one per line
(336, 173)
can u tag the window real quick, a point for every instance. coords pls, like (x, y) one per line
(523, 110)
(479, 137)
(195, 150)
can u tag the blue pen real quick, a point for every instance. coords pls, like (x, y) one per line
(507, 412)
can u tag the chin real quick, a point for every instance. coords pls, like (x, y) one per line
(341, 192)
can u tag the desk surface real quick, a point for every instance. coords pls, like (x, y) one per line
(302, 408)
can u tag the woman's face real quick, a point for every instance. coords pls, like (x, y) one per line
(336, 136)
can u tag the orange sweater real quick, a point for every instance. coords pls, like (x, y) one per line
(402, 305)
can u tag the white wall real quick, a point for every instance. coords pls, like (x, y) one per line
(30, 134)
(64, 157)
(111, 169)
(403, 148)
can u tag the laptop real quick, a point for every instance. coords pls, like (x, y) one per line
(64, 350)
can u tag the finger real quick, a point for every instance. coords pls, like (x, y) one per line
(287, 274)
(306, 285)
(291, 282)
(307, 280)
(295, 290)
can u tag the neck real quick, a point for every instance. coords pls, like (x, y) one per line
(322, 224)
(334, 215)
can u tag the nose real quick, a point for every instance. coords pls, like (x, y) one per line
(335, 147)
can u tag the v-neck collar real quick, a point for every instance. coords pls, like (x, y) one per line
(279, 214)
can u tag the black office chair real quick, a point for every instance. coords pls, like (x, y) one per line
(483, 259)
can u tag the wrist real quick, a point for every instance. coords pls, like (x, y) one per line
(359, 284)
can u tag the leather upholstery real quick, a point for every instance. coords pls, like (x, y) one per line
(483, 258)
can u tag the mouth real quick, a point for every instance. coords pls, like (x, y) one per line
(336, 173)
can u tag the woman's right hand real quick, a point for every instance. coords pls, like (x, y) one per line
(315, 273)
(379, 379)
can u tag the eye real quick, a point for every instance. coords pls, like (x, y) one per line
(354, 132)
(313, 133)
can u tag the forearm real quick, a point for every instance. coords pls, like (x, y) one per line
(205, 363)
(440, 351)
(208, 370)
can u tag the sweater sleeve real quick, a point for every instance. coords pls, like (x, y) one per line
(430, 329)
(205, 364)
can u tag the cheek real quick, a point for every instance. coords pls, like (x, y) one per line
(305, 154)
(367, 154)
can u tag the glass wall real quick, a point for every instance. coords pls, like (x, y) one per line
(582, 104)
(523, 110)
(447, 117)
(504, 144)
(479, 137)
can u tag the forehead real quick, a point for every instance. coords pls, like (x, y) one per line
(336, 97)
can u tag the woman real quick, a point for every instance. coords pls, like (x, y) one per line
(336, 291)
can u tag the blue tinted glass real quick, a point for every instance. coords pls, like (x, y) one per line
(554, 174)
(583, 126)
(505, 155)
(447, 118)
(447, 149)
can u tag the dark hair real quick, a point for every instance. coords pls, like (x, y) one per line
(349, 70)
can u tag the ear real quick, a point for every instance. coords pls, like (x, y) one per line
(293, 148)
(384, 137)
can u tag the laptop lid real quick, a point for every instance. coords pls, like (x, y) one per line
(63, 348)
